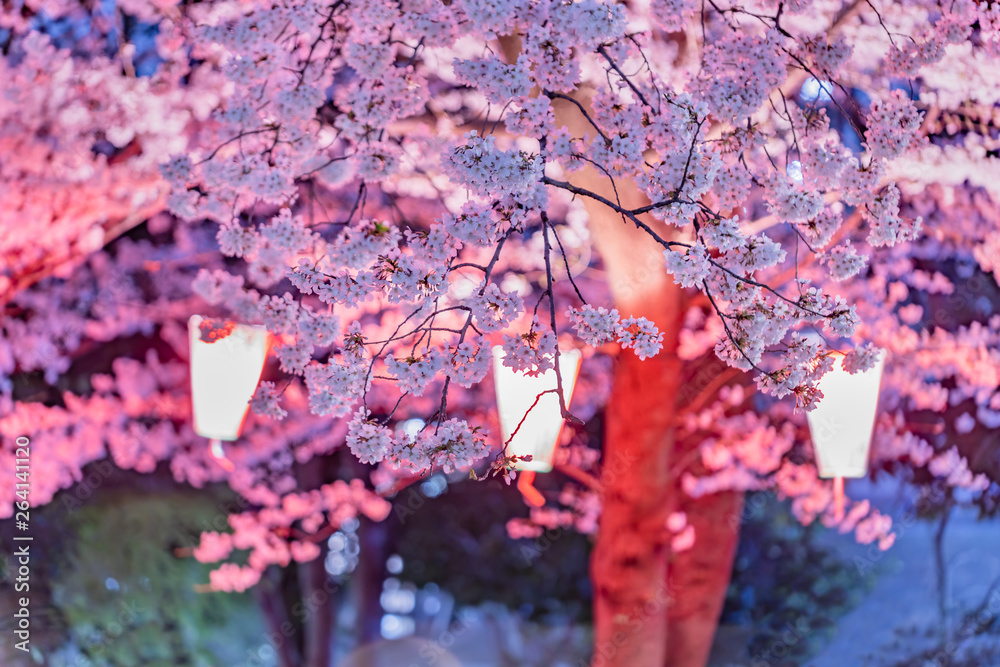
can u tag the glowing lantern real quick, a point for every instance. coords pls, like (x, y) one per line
(841, 425)
(226, 363)
(532, 415)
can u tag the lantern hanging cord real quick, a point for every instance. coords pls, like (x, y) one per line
(219, 454)
(526, 485)
(838, 498)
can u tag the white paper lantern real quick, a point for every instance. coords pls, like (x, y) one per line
(224, 376)
(516, 393)
(841, 425)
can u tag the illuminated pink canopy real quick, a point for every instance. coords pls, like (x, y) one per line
(226, 363)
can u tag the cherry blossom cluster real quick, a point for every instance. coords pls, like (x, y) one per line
(711, 142)
(393, 190)
(595, 326)
(451, 446)
(504, 182)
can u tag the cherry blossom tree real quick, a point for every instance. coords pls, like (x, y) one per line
(706, 198)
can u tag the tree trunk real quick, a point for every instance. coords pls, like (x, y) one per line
(653, 608)
(645, 617)
(317, 607)
(368, 578)
(279, 638)
(701, 575)
(642, 616)
(318, 611)
(629, 567)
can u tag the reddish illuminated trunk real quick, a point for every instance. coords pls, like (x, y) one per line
(315, 608)
(651, 608)
(643, 616)
(700, 576)
(629, 568)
